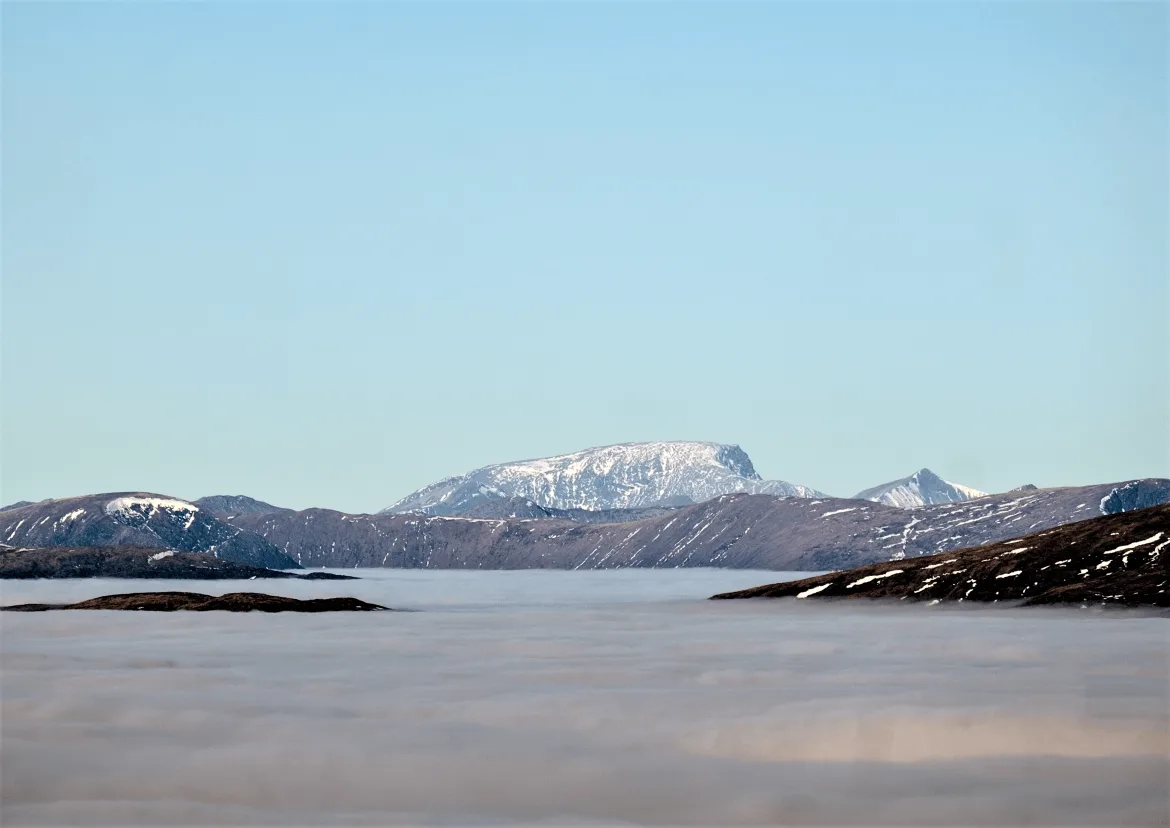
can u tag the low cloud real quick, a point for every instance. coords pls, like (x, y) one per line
(543, 700)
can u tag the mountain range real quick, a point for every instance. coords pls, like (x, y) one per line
(737, 531)
(625, 505)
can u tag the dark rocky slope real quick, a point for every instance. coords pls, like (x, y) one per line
(197, 602)
(133, 562)
(221, 505)
(137, 519)
(736, 531)
(1121, 559)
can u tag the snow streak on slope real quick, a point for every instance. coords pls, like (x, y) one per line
(630, 475)
(923, 488)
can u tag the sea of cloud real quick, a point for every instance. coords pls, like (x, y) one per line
(571, 698)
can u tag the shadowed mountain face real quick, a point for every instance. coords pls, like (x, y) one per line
(197, 602)
(1139, 494)
(1121, 559)
(522, 508)
(736, 531)
(626, 476)
(132, 562)
(136, 519)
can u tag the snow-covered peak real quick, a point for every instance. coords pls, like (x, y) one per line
(134, 511)
(624, 476)
(922, 488)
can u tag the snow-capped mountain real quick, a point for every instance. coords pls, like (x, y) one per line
(135, 519)
(625, 476)
(923, 488)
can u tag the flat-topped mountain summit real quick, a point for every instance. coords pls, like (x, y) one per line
(624, 476)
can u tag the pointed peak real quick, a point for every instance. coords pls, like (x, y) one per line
(922, 488)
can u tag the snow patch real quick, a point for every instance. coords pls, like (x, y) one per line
(69, 517)
(128, 509)
(1136, 544)
(869, 578)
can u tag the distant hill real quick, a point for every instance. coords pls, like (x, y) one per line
(221, 505)
(132, 562)
(16, 505)
(137, 519)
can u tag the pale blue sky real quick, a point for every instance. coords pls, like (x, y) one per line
(326, 254)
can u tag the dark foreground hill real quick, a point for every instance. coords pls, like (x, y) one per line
(133, 562)
(197, 602)
(1121, 559)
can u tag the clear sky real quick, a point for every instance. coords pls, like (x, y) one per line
(324, 254)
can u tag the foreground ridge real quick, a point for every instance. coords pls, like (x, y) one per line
(1119, 559)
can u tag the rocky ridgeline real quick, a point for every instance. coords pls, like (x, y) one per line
(1117, 560)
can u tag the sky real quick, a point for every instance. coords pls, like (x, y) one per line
(325, 254)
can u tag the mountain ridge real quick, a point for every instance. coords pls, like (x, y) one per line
(734, 531)
(618, 476)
